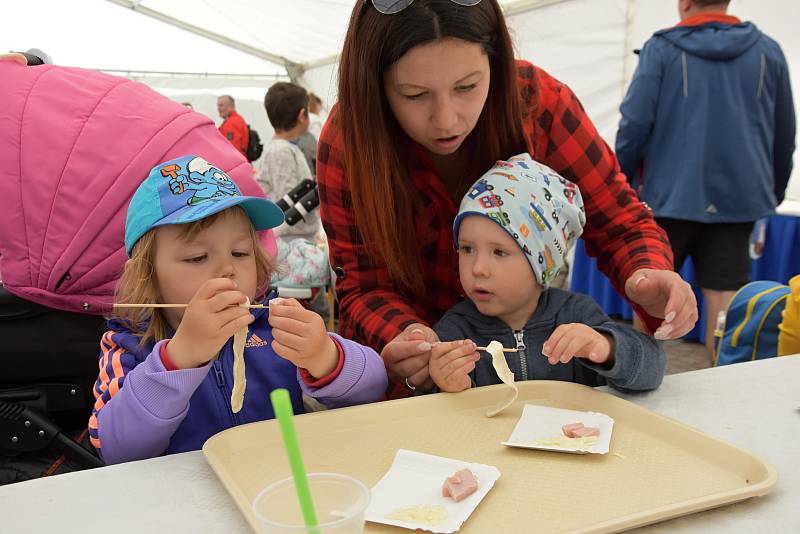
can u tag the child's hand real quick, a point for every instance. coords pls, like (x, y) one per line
(579, 341)
(299, 335)
(211, 318)
(451, 363)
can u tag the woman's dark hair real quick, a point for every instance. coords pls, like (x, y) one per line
(372, 140)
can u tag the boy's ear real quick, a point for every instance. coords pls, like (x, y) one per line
(301, 115)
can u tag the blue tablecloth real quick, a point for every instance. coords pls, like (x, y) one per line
(781, 261)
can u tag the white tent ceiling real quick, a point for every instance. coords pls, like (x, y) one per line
(136, 35)
(248, 44)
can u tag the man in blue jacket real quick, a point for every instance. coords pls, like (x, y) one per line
(707, 136)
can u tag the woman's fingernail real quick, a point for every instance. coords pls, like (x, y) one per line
(638, 281)
(670, 316)
(276, 300)
(424, 346)
(663, 332)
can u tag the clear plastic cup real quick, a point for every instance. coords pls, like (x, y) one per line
(339, 501)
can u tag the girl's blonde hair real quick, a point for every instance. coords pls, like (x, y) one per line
(139, 281)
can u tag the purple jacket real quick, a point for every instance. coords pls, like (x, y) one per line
(75, 145)
(143, 410)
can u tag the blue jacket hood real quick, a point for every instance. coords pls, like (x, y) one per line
(714, 40)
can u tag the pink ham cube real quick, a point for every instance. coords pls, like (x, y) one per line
(569, 430)
(585, 431)
(460, 486)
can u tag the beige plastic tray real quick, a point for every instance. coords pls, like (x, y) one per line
(657, 468)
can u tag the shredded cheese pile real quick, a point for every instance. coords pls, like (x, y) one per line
(424, 514)
(563, 442)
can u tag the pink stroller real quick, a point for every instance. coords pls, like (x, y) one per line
(75, 146)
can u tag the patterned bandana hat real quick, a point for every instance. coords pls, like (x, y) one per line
(188, 189)
(542, 211)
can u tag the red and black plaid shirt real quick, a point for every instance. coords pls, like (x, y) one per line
(620, 231)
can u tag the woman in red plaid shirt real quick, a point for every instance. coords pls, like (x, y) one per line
(430, 96)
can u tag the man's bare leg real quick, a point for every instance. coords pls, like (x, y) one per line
(715, 302)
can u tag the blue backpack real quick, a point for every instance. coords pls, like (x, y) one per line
(750, 331)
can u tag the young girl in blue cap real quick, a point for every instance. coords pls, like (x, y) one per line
(513, 230)
(166, 374)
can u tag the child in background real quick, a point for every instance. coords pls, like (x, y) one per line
(166, 374)
(316, 114)
(513, 230)
(283, 165)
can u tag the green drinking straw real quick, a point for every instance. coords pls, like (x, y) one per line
(282, 406)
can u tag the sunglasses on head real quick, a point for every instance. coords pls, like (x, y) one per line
(390, 7)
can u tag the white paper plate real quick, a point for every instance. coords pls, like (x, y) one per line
(415, 480)
(540, 428)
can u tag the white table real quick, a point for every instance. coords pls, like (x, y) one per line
(755, 406)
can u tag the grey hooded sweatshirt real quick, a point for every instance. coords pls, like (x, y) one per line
(639, 360)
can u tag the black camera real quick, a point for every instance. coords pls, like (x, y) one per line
(293, 196)
(299, 202)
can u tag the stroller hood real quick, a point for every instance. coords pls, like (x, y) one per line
(75, 146)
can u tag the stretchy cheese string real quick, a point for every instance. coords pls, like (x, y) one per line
(501, 367)
(239, 380)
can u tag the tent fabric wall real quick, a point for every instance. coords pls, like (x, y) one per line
(299, 30)
(202, 92)
(96, 34)
(323, 81)
(587, 44)
(580, 43)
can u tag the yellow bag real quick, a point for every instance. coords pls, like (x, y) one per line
(789, 329)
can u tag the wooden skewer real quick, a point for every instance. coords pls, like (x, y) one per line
(480, 348)
(504, 349)
(176, 306)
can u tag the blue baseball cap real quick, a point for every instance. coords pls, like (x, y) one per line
(188, 189)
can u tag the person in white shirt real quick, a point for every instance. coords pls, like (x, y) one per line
(283, 165)
(317, 115)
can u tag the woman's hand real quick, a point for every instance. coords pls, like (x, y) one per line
(213, 315)
(665, 295)
(299, 335)
(451, 363)
(407, 356)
